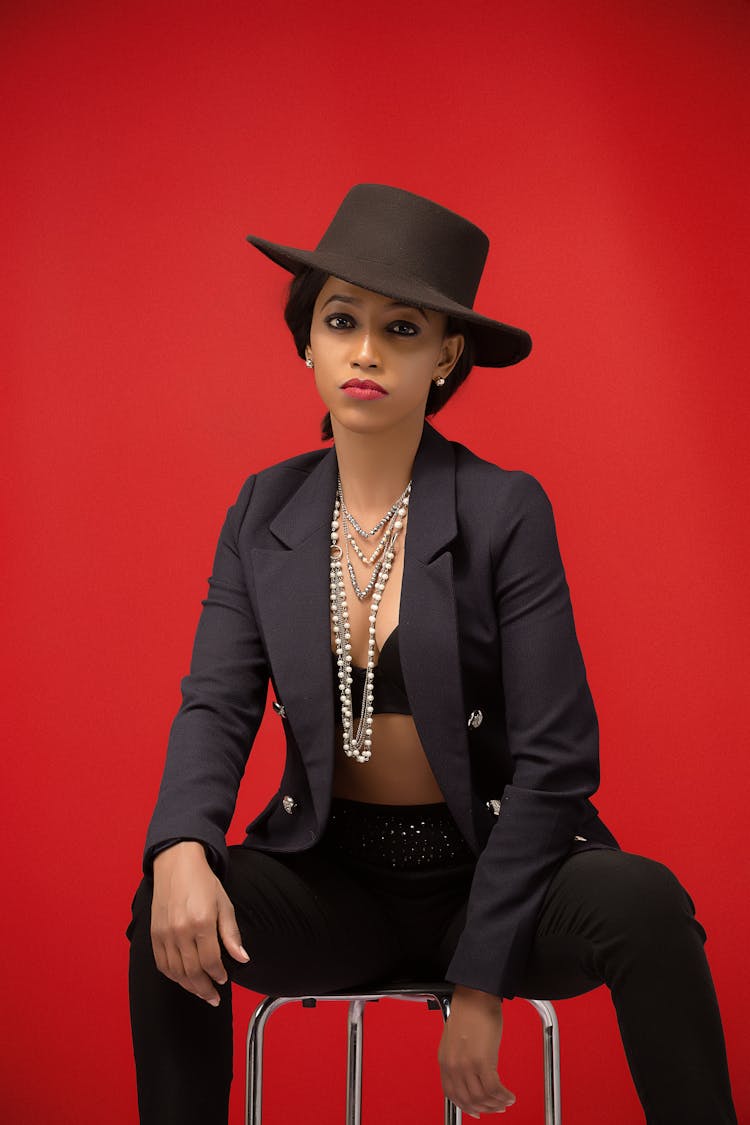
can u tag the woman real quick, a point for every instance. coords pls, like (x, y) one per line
(408, 603)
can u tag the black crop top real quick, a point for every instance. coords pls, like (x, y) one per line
(389, 690)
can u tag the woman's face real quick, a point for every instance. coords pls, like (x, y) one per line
(358, 336)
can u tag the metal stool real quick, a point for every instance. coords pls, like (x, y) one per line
(436, 996)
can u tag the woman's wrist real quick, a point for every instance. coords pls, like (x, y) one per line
(465, 995)
(180, 847)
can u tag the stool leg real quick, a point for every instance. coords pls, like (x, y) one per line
(254, 1058)
(452, 1115)
(551, 1045)
(355, 1029)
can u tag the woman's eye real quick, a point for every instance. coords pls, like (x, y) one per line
(411, 329)
(338, 316)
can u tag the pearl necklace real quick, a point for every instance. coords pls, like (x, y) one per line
(358, 744)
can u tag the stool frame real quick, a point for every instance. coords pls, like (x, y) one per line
(436, 996)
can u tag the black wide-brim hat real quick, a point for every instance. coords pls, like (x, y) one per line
(409, 248)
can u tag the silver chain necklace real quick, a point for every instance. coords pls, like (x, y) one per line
(358, 743)
(388, 515)
(391, 517)
(368, 561)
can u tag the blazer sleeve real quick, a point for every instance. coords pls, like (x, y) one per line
(223, 702)
(553, 736)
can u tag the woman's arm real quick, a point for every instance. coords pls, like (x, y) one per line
(223, 701)
(553, 735)
(468, 1053)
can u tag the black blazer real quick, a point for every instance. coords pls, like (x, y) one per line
(492, 667)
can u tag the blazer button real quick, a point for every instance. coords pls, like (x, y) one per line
(289, 804)
(475, 719)
(279, 708)
(494, 805)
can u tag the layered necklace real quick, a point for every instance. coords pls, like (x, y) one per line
(358, 743)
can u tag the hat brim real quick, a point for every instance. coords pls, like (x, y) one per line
(496, 344)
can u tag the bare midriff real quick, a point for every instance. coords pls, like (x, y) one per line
(398, 772)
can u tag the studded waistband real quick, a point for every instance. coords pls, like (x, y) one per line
(407, 837)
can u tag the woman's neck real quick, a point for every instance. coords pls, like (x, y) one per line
(375, 468)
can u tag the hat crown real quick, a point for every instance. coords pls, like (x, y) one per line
(411, 236)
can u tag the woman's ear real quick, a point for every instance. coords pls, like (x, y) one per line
(450, 353)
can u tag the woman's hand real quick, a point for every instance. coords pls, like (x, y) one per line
(468, 1053)
(190, 909)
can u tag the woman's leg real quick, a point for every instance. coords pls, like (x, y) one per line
(623, 920)
(182, 1045)
(307, 926)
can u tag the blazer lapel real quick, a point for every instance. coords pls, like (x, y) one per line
(293, 601)
(428, 626)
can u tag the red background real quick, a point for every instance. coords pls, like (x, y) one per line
(602, 146)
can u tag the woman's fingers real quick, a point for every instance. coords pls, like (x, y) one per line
(200, 965)
(209, 956)
(175, 968)
(180, 960)
(477, 1093)
(485, 1093)
(491, 1092)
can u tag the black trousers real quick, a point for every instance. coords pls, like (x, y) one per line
(321, 920)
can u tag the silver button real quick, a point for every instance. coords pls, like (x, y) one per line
(279, 708)
(289, 804)
(475, 719)
(495, 806)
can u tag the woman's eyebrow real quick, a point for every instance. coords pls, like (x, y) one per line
(356, 301)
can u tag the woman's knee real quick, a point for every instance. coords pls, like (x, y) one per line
(638, 898)
(657, 897)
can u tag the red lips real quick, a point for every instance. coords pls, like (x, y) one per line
(365, 384)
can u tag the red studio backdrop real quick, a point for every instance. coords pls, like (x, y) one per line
(148, 372)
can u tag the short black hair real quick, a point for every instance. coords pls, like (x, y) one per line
(298, 311)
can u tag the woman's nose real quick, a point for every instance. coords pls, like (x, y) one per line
(365, 353)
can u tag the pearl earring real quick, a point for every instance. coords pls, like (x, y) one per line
(309, 362)
(439, 382)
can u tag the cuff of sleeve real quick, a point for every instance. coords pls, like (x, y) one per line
(213, 857)
(496, 967)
